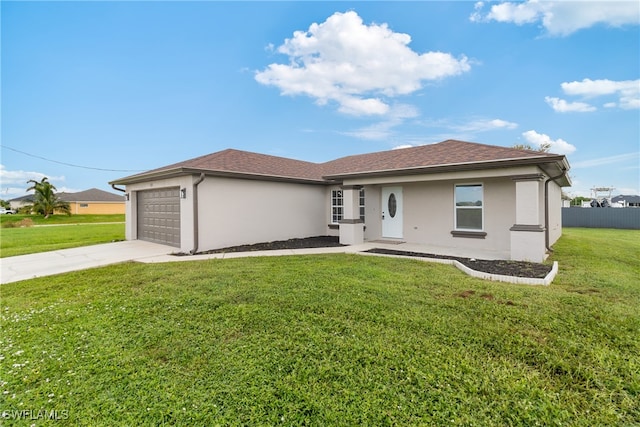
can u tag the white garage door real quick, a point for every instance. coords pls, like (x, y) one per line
(159, 216)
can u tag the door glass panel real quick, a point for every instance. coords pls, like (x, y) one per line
(392, 205)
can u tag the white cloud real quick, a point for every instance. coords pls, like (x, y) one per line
(627, 91)
(561, 18)
(14, 182)
(619, 158)
(7, 176)
(562, 106)
(383, 130)
(557, 146)
(355, 65)
(484, 125)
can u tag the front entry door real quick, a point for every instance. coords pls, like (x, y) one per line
(392, 212)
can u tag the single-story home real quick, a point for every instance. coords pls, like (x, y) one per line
(92, 201)
(626, 201)
(452, 194)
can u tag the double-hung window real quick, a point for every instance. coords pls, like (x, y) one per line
(469, 209)
(337, 206)
(362, 204)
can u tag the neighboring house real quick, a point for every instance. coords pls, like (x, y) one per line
(92, 201)
(452, 195)
(623, 201)
(20, 202)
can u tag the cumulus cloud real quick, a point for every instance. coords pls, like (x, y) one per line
(556, 146)
(561, 18)
(562, 106)
(627, 92)
(358, 66)
(20, 176)
(14, 182)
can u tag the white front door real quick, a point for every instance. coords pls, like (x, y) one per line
(392, 212)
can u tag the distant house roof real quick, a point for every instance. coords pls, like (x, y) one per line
(26, 199)
(91, 195)
(447, 155)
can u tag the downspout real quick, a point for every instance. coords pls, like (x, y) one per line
(119, 189)
(195, 214)
(546, 208)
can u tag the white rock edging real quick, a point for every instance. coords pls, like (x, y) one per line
(510, 279)
(482, 275)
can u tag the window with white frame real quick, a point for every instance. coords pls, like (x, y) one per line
(469, 199)
(337, 206)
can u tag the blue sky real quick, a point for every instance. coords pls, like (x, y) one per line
(94, 91)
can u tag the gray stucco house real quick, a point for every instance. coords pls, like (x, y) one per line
(453, 194)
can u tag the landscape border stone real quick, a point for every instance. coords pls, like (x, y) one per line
(546, 281)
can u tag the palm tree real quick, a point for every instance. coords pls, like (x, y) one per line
(45, 200)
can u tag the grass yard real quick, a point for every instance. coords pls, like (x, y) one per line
(20, 241)
(62, 219)
(328, 340)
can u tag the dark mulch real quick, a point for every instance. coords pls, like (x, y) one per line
(309, 242)
(505, 268)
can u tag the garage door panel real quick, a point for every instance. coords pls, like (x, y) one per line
(159, 216)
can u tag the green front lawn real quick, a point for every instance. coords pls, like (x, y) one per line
(329, 340)
(62, 219)
(28, 240)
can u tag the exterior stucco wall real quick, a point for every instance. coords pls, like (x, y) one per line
(95, 208)
(236, 211)
(429, 215)
(555, 212)
(186, 208)
(429, 209)
(372, 212)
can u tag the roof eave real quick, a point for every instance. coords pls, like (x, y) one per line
(182, 171)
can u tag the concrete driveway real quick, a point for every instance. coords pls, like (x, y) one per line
(24, 267)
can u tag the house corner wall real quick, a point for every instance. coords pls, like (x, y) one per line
(555, 212)
(527, 235)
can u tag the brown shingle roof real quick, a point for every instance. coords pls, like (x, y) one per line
(246, 163)
(447, 153)
(444, 154)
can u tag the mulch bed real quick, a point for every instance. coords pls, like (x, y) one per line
(309, 242)
(502, 267)
(506, 268)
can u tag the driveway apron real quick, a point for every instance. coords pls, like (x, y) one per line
(24, 267)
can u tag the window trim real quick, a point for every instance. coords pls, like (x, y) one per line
(361, 205)
(462, 232)
(332, 205)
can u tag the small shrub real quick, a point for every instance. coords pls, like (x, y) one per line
(25, 222)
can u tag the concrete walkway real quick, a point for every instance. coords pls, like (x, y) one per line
(22, 267)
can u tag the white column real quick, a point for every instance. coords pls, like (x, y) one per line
(527, 234)
(351, 226)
